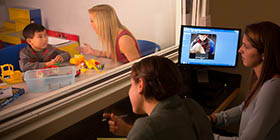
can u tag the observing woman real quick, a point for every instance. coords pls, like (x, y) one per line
(259, 114)
(155, 83)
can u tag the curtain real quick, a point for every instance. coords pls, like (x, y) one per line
(196, 13)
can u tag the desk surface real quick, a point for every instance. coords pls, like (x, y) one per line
(28, 97)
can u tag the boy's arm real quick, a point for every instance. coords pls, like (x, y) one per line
(26, 64)
(65, 55)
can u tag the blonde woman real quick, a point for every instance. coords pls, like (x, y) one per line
(118, 42)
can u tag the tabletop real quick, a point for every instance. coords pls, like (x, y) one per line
(29, 97)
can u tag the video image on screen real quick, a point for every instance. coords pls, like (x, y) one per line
(202, 46)
(208, 46)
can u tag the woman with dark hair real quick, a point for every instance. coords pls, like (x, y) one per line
(155, 83)
(259, 114)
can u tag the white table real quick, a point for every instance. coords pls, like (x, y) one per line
(28, 97)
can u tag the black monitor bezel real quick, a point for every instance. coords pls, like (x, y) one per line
(207, 27)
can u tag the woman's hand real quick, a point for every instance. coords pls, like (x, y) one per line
(86, 50)
(212, 118)
(116, 125)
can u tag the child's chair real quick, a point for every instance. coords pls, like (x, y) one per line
(10, 55)
(147, 47)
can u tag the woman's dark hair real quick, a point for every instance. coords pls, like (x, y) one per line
(265, 37)
(30, 29)
(161, 77)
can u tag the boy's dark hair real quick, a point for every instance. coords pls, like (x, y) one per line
(30, 29)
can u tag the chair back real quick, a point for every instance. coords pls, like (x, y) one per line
(147, 47)
(10, 55)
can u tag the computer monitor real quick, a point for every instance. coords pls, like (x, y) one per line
(208, 46)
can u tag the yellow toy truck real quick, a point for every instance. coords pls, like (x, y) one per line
(9, 75)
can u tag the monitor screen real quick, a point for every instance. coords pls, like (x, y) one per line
(210, 46)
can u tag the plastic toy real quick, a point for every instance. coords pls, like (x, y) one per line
(84, 64)
(53, 66)
(9, 75)
(94, 64)
(77, 59)
(5, 90)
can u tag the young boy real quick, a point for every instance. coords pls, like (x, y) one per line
(39, 53)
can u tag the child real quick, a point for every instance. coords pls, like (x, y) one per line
(39, 53)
